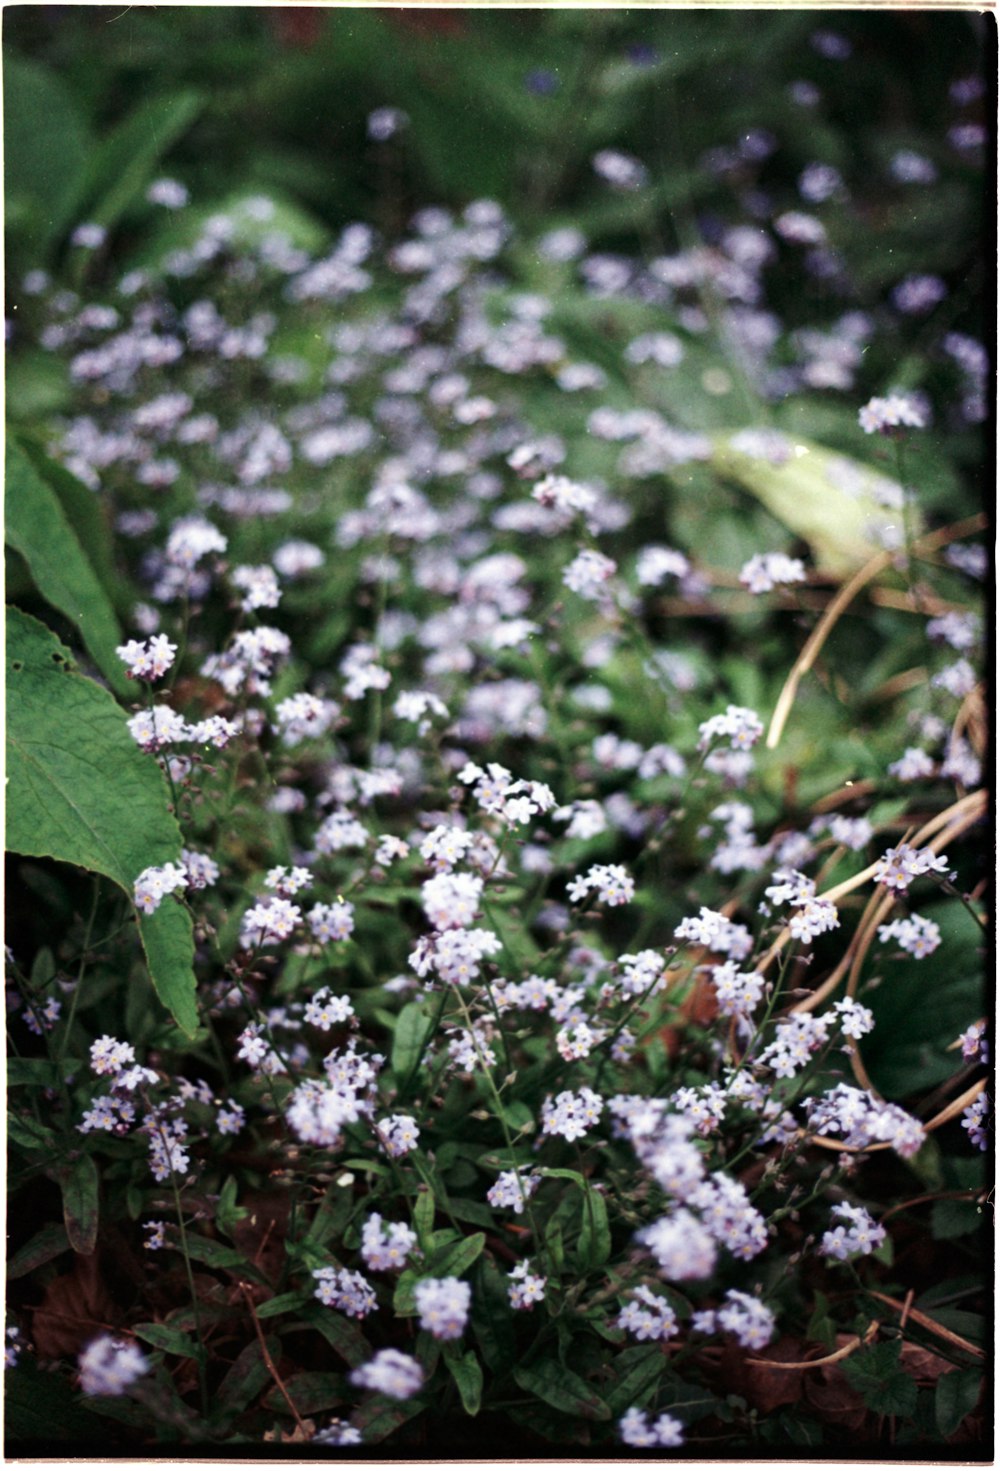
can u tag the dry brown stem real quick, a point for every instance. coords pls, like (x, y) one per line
(844, 1352)
(271, 1366)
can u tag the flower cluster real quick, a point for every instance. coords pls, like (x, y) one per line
(859, 1237)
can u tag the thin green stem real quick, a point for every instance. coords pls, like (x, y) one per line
(74, 1001)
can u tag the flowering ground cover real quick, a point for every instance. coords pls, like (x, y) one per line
(496, 727)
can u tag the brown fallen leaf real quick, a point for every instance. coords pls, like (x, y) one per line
(766, 1389)
(76, 1306)
(285, 1437)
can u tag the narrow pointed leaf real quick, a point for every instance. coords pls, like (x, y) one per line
(562, 1389)
(80, 1188)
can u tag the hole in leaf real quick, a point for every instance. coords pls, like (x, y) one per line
(17, 665)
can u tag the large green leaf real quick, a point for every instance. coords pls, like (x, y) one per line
(956, 1395)
(80, 1188)
(467, 1373)
(409, 1039)
(124, 163)
(90, 517)
(43, 1407)
(805, 494)
(37, 527)
(46, 141)
(562, 1389)
(249, 226)
(80, 791)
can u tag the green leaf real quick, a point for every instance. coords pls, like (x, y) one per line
(30, 1134)
(49, 1242)
(803, 496)
(310, 1392)
(245, 1378)
(491, 1317)
(955, 1396)
(37, 385)
(287, 1302)
(332, 1214)
(249, 227)
(88, 515)
(82, 792)
(561, 1388)
(454, 1260)
(80, 1185)
(423, 1216)
(554, 1242)
(41, 1406)
(875, 1374)
(821, 1328)
(46, 143)
(37, 527)
(574, 1175)
(371, 1166)
(227, 1213)
(403, 1301)
(468, 1377)
(123, 163)
(594, 1246)
(343, 1335)
(381, 1416)
(477, 1212)
(215, 1254)
(410, 1036)
(638, 1371)
(35, 1072)
(951, 1218)
(169, 1340)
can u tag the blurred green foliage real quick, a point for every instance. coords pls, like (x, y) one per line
(511, 104)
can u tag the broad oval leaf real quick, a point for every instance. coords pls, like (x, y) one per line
(37, 527)
(828, 499)
(80, 791)
(955, 1396)
(46, 142)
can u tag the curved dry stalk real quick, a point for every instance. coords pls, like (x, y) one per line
(971, 713)
(861, 1074)
(889, 597)
(844, 1352)
(846, 793)
(953, 1046)
(931, 540)
(818, 638)
(269, 1362)
(903, 1205)
(824, 1141)
(909, 679)
(810, 1002)
(953, 1109)
(882, 908)
(960, 815)
(843, 599)
(931, 1324)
